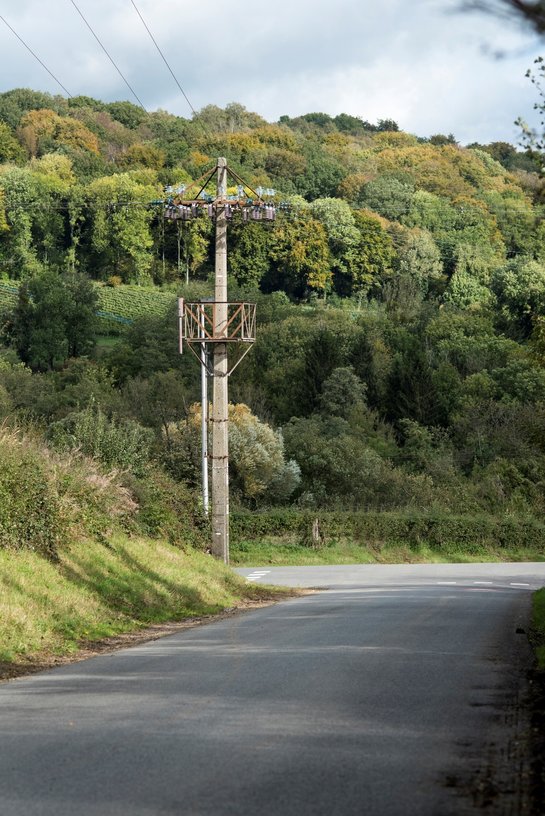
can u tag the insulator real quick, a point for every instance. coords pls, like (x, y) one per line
(210, 210)
(257, 215)
(228, 211)
(245, 214)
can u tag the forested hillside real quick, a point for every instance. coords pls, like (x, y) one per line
(401, 305)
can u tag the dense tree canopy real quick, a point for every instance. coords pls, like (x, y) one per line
(401, 302)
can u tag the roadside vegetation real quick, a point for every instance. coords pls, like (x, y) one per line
(393, 407)
(82, 559)
(538, 627)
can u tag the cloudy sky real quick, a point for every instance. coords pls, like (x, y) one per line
(422, 63)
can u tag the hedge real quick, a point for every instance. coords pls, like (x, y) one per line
(413, 528)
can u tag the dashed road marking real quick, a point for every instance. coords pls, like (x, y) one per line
(446, 583)
(255, 576)
(483, 583)
(514, 583)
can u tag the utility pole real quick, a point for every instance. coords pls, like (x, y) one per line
(219, 324)
(204, 423)
(220, 415)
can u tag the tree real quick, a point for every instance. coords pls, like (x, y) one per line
(127, 113)
(300, 257)
(10, 149)
(121, 227)
(54, 319)
(531, 12)
(258, 467)
(519, 286)
(249, 259)
(388, 196)
(43, 130)
(342, 393)
(418, 256)
(21, 200)
(374, 255)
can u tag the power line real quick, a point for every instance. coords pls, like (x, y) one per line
(36, 57)
(163, 58)
(108, 55)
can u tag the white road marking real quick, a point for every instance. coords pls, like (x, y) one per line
(514, 583)
(483, 583)
(446, 583)
(255, 576)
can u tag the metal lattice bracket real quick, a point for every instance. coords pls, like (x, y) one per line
(205, 323)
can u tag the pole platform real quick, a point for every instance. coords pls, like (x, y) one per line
(200, 325)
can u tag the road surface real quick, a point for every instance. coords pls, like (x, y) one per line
(393, 692)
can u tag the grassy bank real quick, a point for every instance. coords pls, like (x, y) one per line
(98, 590)
(88, 553)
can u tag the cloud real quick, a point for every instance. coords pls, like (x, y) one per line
(429, 69)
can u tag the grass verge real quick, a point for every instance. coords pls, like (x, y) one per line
(96, 591)
(289, 551)
(538, 627)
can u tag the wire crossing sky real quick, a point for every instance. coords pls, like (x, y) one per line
(108, 55)
(429, 66)
(36, 57)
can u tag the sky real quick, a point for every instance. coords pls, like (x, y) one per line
(425, 64)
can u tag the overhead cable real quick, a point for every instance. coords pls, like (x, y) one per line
(108, 55)
(36, 57)
(163, 58)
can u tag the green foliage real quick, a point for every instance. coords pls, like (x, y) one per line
(259, 471)
(10, 149)
(167, 509)
(339, 467)
(121, 238)
(413, 528)
(127, 113)
(121, 444)
(31, 515)
(538, 627)
(54, 319)
(301, 258)
(49, 500)
(388, 196)
(399, 347)
(342, 393)
(520, 289)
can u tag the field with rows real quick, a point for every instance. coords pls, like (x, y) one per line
(118, 305)
(8, 295)
(131, 302)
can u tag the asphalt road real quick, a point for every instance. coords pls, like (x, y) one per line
(391, 693)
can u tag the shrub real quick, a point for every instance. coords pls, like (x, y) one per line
(30, 509)
(168, 509)
(117, 444)
(414, 528)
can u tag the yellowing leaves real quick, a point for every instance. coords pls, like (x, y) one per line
(39, 126)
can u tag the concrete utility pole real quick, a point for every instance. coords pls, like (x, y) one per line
(220, 324)
(204, 423)
(220, 408)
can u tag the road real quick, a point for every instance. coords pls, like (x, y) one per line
(392, 692)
